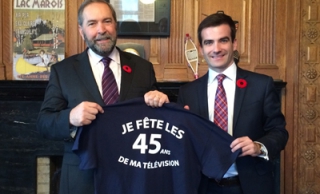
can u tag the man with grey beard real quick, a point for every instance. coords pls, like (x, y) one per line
(74, 95)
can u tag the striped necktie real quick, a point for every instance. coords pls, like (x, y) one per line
(109, 84)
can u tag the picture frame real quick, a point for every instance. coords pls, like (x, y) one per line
(38, 38)
(138, 18)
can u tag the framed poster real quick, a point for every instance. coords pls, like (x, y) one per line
(142, 17)
(38, 37)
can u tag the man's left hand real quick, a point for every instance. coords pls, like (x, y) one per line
(248, 147)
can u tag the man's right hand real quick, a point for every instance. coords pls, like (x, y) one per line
(84, 113)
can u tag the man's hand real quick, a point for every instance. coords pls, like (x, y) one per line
(155, 98)
(248, 147)
(84, 113)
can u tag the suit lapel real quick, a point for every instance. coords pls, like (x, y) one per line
(239, 96)
(84, 71)
(126, 77)
(203, 96)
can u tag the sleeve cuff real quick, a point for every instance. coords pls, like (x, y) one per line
(264, 151)
(73, 131)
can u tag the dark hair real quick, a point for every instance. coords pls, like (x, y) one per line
(88, 2)
(214, 20)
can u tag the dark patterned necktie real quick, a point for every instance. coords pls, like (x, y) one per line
(221, 105)
(109, 84)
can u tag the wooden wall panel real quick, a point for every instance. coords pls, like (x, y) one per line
(74, 42)
(290, 56)
(174, 51)
(266, 58)
(182, 22)
(6, 28)
(309, 108)
(267, 32)
(2, 66)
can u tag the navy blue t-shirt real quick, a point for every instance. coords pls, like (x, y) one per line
(137, 149)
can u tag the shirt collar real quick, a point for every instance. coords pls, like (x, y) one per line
(230, 72)
(114, 56)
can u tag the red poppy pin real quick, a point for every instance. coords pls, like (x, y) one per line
(241, 83)
(126, 68)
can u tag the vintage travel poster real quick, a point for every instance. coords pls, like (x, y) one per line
(38, 37)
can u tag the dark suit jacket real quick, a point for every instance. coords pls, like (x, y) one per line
(72, 82)
(257, 114)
